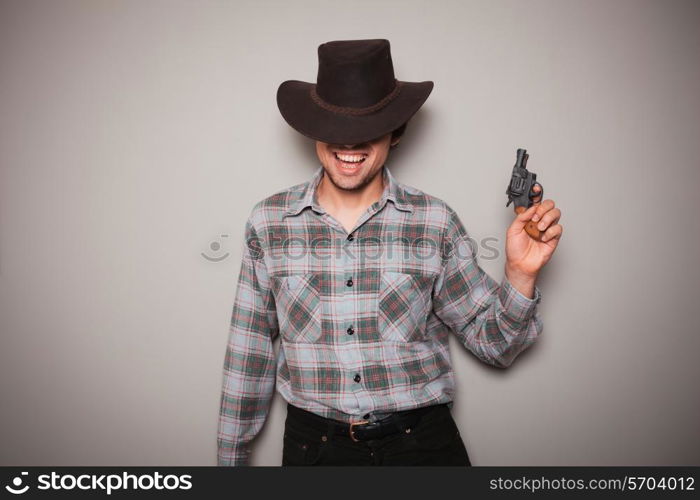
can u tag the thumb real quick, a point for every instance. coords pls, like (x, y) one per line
(523, 217)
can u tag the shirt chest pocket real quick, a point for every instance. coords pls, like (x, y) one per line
(404, 302)
(298, 299)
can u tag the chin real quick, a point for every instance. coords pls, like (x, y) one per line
(349, 184)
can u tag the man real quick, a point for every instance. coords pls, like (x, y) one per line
(363, 279)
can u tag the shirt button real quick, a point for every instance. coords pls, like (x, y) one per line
(349, 282)
(350, 330)
(357, 377)
(351, 237)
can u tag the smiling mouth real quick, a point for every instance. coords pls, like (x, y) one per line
(350, 160)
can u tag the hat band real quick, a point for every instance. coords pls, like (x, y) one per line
(348, 110)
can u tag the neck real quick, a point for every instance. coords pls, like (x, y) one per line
(335, 199)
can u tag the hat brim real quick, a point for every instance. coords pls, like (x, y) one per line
(308, 118)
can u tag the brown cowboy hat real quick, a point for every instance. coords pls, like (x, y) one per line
(356, 97)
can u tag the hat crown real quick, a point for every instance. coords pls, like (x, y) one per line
(355, 73)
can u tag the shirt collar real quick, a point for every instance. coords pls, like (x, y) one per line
(392, 191)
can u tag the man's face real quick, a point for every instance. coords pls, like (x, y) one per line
(352, 166)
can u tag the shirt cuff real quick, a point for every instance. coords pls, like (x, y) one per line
(233, 457)
(515, 304)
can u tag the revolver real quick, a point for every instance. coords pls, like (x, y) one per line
(520, 191)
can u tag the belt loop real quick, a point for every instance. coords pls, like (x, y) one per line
(331, 428)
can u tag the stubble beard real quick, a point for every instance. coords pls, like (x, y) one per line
(349, 184)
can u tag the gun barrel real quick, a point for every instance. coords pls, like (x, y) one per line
(522, 158)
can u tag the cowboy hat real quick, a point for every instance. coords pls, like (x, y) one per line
(356, 97)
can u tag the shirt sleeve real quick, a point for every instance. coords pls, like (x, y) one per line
(494, 322)
(249, 365)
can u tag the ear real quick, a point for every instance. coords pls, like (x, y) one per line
(395, 142)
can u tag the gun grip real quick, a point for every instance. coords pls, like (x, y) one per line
(530, 226)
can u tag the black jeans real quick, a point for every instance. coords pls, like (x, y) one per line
(433, 440)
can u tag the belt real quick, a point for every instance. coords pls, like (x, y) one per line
(364, 430)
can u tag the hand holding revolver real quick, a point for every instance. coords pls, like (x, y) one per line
(535, 232)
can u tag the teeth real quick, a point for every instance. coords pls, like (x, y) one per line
(350, 158)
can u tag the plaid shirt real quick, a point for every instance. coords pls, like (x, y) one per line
(363, 317)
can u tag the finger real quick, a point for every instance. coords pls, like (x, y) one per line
(542, 208)
(550, 217)
(553, 233)
(537, 189)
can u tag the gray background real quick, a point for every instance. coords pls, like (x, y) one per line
(134, 134)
